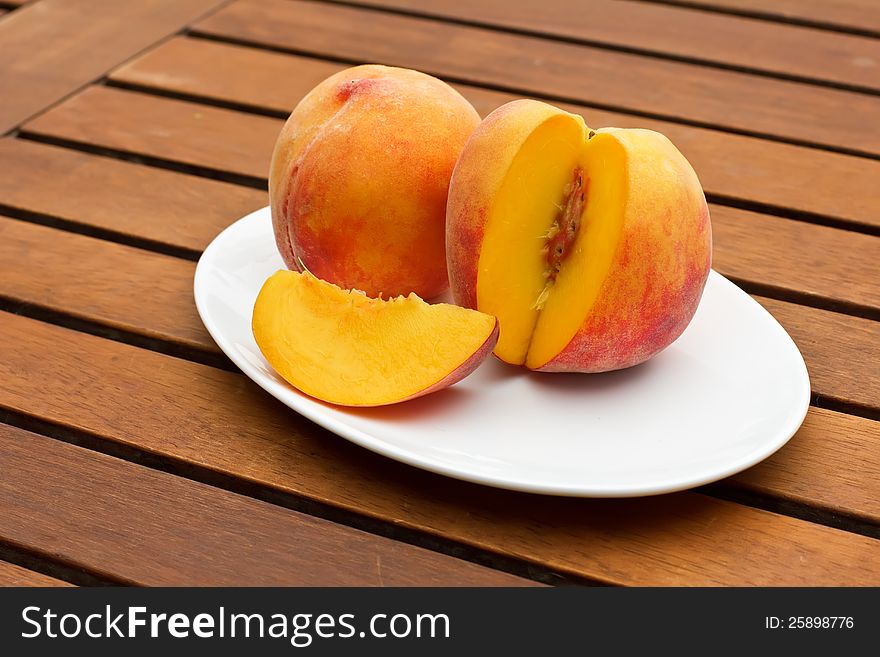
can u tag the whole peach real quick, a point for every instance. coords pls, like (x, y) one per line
(359, 179)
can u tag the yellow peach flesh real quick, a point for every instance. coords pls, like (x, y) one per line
(346, 348)
(539, 310)
(572, 295)
(511, 262)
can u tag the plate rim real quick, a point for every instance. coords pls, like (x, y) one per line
(389, 450)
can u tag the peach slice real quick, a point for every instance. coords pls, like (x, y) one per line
(591, 247)
(346, 348)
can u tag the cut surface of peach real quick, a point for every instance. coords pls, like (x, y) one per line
(345, 348)
(536, 221)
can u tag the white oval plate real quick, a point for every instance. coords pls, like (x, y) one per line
(728, 393)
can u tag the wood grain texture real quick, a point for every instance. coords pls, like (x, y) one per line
(736, 101)
(221, 421)
(855, 14)
(837, 348)
(52, 47)
(196, 135)
(119, 286)
(832, 457)
(134, 525)
(12, 575)
(680, 32)
(796, 256)
(751, 169)
(164, 207)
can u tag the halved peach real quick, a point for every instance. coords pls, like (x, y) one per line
(591, 247)
(346, 348)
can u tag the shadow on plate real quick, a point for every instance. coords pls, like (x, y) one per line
(604, 382)
(449, 400)
(441, 402)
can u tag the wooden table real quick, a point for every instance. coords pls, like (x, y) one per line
(133, 452)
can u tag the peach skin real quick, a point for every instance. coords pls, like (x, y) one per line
(359, 179)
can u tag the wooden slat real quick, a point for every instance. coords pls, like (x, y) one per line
(193, 134)
(729, 165)
(833, 457)
(221, 421)
(796, 256)
(134, 525)
(52, 47)
(854, 14)
(680, 32)
(248, 76)
(12, 575)
(733, 100)
(842, 352)
(164, 207)
(118, 286)
(150, 295)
